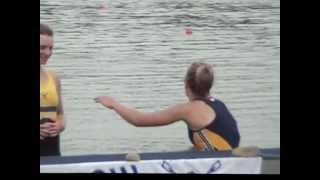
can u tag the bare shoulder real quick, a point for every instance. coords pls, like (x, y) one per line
(183, 110)
(201, 106)
(200, 115)
(197, 104)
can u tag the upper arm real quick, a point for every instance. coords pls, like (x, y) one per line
(164, 117)
(58, 87)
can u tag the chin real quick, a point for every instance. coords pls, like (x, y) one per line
(43, 62)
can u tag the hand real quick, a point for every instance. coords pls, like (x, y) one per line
(50, 129)
(44, 131)
(106, 101)
(54, 128)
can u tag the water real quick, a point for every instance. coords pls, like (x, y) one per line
(138, 52)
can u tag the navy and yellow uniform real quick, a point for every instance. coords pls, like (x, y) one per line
(49, 101)
(222, 134)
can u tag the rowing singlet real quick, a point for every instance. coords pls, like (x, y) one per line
(222, 134)
(49, 101)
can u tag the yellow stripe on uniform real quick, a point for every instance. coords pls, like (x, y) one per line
(208, 140)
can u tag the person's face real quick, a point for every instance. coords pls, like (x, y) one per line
(46, 46)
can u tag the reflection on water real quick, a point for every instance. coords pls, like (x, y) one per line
(138, 52)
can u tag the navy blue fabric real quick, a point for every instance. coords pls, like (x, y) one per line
(224, 124)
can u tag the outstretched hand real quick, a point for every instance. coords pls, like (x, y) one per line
(106, 101)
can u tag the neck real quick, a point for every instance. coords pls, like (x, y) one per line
(42, 72)
(42, 69)
(193, 98)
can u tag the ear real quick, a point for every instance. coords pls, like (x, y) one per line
(188, 90)
(186, 85)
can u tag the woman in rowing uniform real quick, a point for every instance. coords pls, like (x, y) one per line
(51, 109)
(211, 126)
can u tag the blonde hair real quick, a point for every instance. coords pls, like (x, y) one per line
(199, 79)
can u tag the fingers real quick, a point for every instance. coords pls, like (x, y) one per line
(44, 133)
(54, 130)
(49, 133)
(103, 99)
(97, 100)
(44, 126)
(49, 129)
(54, 134)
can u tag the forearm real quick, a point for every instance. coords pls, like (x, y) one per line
(61, 121)
(131, 115)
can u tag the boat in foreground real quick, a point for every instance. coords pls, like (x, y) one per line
(266, 161)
